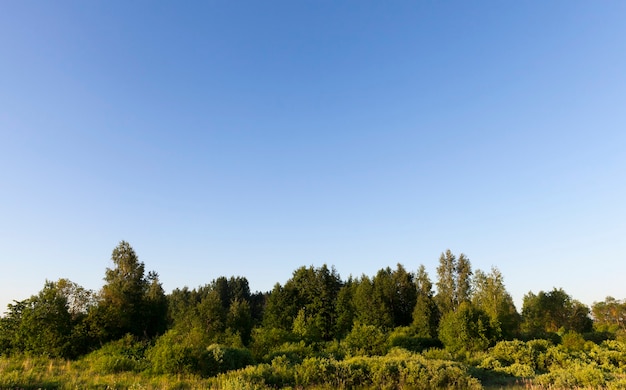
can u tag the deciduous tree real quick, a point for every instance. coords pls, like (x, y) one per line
(490, 295)
(553, 312)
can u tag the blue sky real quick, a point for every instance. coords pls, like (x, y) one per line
(250, 138)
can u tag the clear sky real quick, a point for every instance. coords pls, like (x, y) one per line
(225, 138)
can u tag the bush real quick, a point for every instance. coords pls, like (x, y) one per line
(125, 354)
(265, 342)
(293, 352)
(573, 341)
(437, 354)
(581, 376)
(404, 337)
(221, 359)
(398, 369)
(468, 329)
(177, 353)
(365, 340)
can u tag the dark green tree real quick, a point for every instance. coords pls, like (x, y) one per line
(402, 296)
(425, 313)
(281, 308)
(10, 339)
(387, 300)
(212, 315)
(370, 307)
(309, 296)
(239, 319)
(41, 325)
(554, 312)
(345, 309)
(155, 304)
(129, 301)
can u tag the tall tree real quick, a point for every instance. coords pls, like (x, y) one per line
(610, 314)
(316, 291)
(155, 305)
(281, 308)
(553, 311)
(490, 295)
(345, 309)
(454, 283)
(446, 282)
(41, 325)
(403, 296)
(127, 298)
(212, 314)
(463, 280)
(425, 313)
(239, 319)
(370, 307)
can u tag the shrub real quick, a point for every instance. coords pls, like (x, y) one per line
(266, 341)
(466, 329)
(293, 352)
(437, 354)
(125, 354)
(580, 376)
(404, 337)
(365, 340)
(221, 359)
(177, 353)
(573, 341)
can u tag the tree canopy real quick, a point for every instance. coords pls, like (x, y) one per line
(468, 311)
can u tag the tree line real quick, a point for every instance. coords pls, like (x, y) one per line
(463, 310)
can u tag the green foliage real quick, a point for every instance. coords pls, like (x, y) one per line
(467, 329)
(310, 293)
(188, 353)
(370, 308)
(317, 332)
(610, 315)
(177, 352)
(406, 338)
(398, 369)
(130, 301)
(518, 358)
(491, 296)
(49, 323)
(125, 354)
(536, 363)
(221, 359)
(573, 341)
(221, 310)
(365, 340)
(592, 366)
(294, 352)
(345, 309)
(575, 376)
(239, 319)
(266, 340)
(553, 312)
(385, 301)
(397, 290)
(454, 283)
(425, 313)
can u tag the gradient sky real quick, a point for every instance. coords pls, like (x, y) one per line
(253, 137)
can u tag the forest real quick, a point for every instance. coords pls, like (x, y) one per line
(397, 329)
